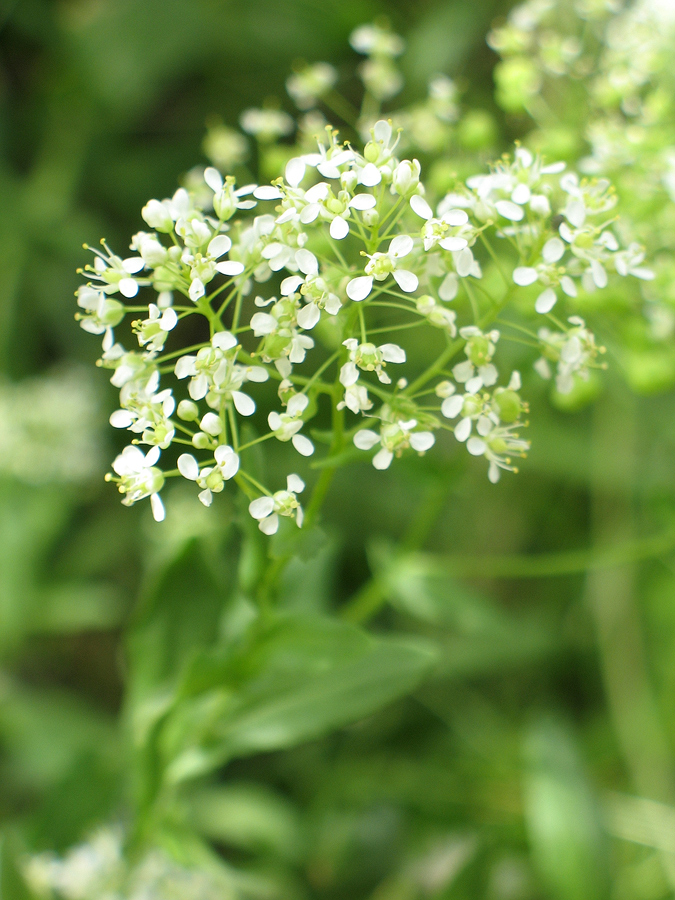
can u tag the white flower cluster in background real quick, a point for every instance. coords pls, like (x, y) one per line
(256, 308)
(48, 428)
(96, 870)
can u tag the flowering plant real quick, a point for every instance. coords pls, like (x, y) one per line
(384, 285)
(297, 281)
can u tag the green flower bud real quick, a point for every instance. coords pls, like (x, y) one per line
(478, 351)
(187, 410)
(509, 405)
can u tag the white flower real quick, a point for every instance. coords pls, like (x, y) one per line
(477, 370)
(102, 312)
(116, 274)
(285, 426)
(573, 350)
(283, 503)
(381, 265)
(451, 231)
(152, 332)
(377, 41)
(356, 398)
(266, 124)
(227, 199)
(547, 273)
(436, 314)
(310, 83)
(139, 478)
(211, 478)
(369, 358)
(629, 262)
(394, 438)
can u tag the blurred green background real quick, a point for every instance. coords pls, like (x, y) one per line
(539, 761)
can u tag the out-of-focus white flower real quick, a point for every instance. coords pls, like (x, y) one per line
(283, 503)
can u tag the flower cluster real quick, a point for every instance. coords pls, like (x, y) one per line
(314, 283)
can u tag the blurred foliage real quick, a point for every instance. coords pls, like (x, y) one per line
(505, 730)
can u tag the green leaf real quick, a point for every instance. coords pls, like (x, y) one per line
(248, 816)
(12, 884)
(304, 677)
(563, 818)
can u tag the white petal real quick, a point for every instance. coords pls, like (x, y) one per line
(196, 289)
(359, 288)
(521, 194)
(205, 497)
(382, 460)
(290, 285)
(476, 446)
(262, 323)
(453, 243)
(452, 406)
(382, 129)
(366, 439)
(185, 366)
(297, 404)
(449, 287)
(309, 213)
(509, 210)
(257, 373)
(133, 264)
(422, 440)
(474, 384)
(349, 374)
(407, 281)
(261, 508)
(169, 320)
(230, 267)
(525, 275)
(546, 301)
(643, 274)
(370, 175)
(568, 286)
(307, 262)
(575, 213)
(224, 340)
(295, 171)
(128, 287)
(553, 250)
(362, 201)
(295, 484)
(188, 466)
(213, 178)
(302, 444)
(244, 405)
(219, 246)
(267, 192)
(211, 424)
(308, 316)
(152, 456)
(158, 512)
(121, 418)
(401, 246)
(392, 353)
(339, 228)
(488, 374)
(463, 429)
(420, 206)
(599, 274)
(227, 460)
(464, 262)
(270, 525)
(455, 217)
